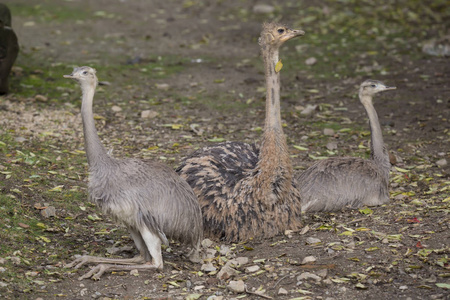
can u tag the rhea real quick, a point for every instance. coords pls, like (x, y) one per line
(149, 198)
(246, 191)
(335, 183)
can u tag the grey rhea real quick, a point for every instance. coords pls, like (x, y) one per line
(247, 191)
(149, 198)
(335, 183)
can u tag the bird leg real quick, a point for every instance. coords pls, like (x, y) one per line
(85, 259)
(96, 272)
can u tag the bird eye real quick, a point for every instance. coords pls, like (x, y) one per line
(374, 85)
(85, 73)
(280, 31)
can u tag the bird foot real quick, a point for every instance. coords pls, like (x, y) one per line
(78, 262)
(96, 272)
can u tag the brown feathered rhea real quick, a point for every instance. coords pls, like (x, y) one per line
(149, 198)
(246, 191)
(335, 183)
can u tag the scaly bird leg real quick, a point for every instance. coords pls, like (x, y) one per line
(97, 271)
(139, 259)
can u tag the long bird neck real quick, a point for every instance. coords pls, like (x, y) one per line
(378, 150)
(275, 168)
(94, 149)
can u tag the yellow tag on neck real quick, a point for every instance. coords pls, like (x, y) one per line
(278, 66)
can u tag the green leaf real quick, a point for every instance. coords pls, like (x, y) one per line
(278, 66)
(300, 148)
(443, 285)
(366, 211)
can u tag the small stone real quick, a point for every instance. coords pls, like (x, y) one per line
(308, 259)
(311, 241)
(3, 284)
(83, 292)
(199, 287)
(116, 108)
(322, 273)
(288, 233)
(308, 275)
(208, 267)
(226, 272)
(252, 269)
(20, 139)
(148, 114)
(134, 272)
(441, 162)
(400, 197)
(328, 131)
(162, 86)
(240, 261)
(48, 212)
(263, 9)
(40, 98)
(403, 287)
(311, 61)
(96, 295)
(2, 260)
(206, 243)
(224, 250)
(331, 145)
(308, 110)
(236, 286)
(282, 291)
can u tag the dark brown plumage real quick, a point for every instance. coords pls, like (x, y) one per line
(246, 191)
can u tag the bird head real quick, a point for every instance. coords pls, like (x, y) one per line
(274, 35)
(371, 87)
(84, 75)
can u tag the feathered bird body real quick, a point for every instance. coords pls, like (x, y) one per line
(247, 191)
(336, 183)
(149, 198)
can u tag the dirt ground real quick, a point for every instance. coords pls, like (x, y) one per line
(209, 87)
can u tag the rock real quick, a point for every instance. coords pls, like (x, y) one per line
(308, 110)
(308, 259)
(236, 286)
(252, 269)
(308, 275)
(403, 287)
(148, 114)
(206, 243)
(210, 253)
(312, 240)
(208, 267)
(226, 272)
(328, 131)
(331, 145)
(238, 261)
(212, 281)
(224, 250)
(322, 273)
(282, 291)
(116, 108)
(199, 287)
(20, 139)
(162, 86)
(48, 212)
(263, 9)
(134, 272)
(311, 61)
(40, 98)
(441, 162)
(2, 270)
(2, 284)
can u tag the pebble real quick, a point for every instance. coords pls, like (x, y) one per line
(48, 212)
(224, 250)
(3, 284)
(199, 287)
(206, 243)
(308, 259)
(331, 145)
(148, 114)
(116, 108)
(403, 287)
(40, 98)
(226, 272)
(308, 275)
(236, 286)
(328, 131)
(263, 9)
(322, 273)
(252, 269)
(162, 86)
(208, 267)
(308, 110)
(211, 253)
(312, 240)
(441, 162)
(282, 291)
(311, 61)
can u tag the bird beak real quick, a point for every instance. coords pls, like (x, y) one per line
(68, 76)
(390, 88)
(292, 34)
